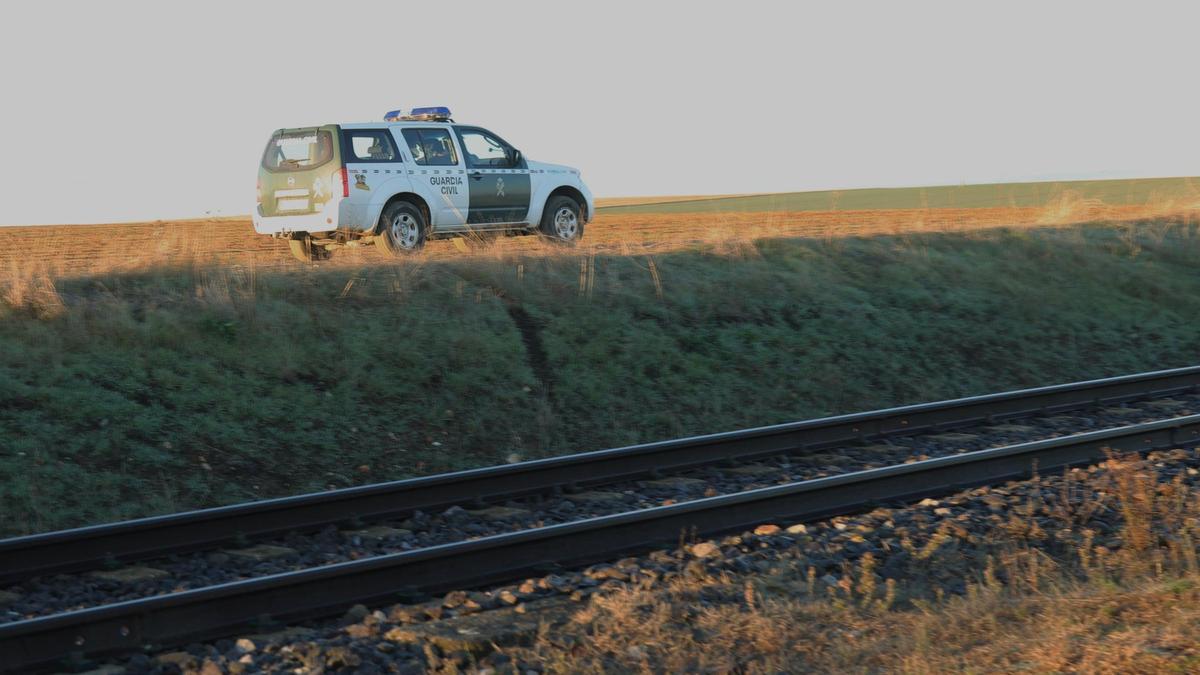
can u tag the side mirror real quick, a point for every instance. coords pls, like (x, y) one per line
(514, 157)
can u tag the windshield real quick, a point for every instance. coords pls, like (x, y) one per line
(298, 150)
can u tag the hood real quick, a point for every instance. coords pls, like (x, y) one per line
(545, 166)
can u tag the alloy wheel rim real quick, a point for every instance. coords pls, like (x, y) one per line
(404, 230)
(566, 224)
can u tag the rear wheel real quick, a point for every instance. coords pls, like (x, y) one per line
(562, 221)
(403, 229)
(303, 250)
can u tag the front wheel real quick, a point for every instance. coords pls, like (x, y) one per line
(403, 229)
(562, 221)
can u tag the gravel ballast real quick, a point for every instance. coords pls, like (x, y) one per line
(926, 549)
(58, 593)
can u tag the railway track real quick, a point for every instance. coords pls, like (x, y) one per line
(316, 590)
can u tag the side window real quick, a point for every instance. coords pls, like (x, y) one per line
(369, 145)
(484, 149)
(431, 147)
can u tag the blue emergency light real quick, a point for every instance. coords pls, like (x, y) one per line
(428, 114)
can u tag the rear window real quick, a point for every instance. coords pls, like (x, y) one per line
(298, 150)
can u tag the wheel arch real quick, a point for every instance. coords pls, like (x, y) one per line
(410, 197)
(575, 194)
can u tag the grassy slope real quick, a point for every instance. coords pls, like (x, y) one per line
(185, 388)
(1116, 192)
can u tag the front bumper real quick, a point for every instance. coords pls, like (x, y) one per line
(591, 203)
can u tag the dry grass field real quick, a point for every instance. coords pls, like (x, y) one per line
(65, 251)
(608, 202)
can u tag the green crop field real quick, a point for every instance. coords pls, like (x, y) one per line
(1125, 192)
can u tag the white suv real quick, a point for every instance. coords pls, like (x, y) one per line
(408, 179)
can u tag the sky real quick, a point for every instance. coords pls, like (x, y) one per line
(118, 111)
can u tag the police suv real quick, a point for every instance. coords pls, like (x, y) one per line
(414, 177)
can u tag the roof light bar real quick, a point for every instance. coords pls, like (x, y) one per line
(428, 114)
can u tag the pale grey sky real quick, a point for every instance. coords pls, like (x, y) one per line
(142, 110)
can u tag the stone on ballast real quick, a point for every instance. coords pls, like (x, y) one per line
(8, 598)
(477, 633)
(261, 552)
(755, 470)
(454, 599)
(360, 631)
(1122, 412)
(596, 497)
(995, 502)
(797, 529)
(131, 575)
(289, 634)
(1008, 429)
(500, 513)
(1063, 419)
(676, 483)
(705, 549)
(110, 669)
(1164, 404)
(181, 660)
(245, 645)
(375, 533)
(953, 437)
(767, 529)
(605, 572)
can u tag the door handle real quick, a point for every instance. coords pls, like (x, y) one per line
(477, 176)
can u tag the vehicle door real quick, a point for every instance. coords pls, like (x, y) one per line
(299, 172)
(371, 158)
(498, 178)
(438, 169)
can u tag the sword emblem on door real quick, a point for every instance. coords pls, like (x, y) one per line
(500, 187)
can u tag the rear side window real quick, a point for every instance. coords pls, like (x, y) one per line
(298, 150)
(370, 145)
(431, 147)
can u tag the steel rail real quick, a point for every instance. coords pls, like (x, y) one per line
(219, 610)
(90, 547)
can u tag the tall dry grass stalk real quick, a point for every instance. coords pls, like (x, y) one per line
(31, 288)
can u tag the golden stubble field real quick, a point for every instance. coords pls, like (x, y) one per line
(65, 251)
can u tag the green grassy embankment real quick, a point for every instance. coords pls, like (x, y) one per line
(123, 396)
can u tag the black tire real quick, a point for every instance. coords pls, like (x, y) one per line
(402, 229)
(562, 221)
(303, 250)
